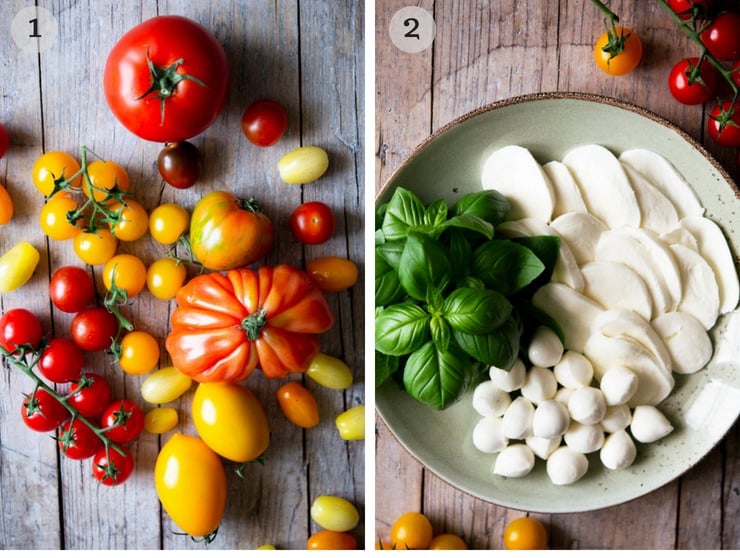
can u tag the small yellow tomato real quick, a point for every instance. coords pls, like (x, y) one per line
(331, 540)
(351, 423)
(165, 385)
(332, 273)
(94, 247)
(190, 481)
(160, 420)
(17, 266)
(411, 531)
(6, 206)
(104, 177)
(126, 272)
(329, 372)
(52, 166)
(266, 547)
(303, 164)
(616, 60)
(53, 217)
(334, 513)
(447, 541)
(168, 222)
(525, 533)
(139, 353)
(164, 278)
(133, 221)
(298, 404)
(231, 420)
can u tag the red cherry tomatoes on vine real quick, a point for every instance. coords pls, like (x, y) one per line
(77, 440)
(110, 467)
(90, 396)
(19, 326)
(692, 83)
(686, 8)
(4, 141)
(61, 361)
(723, 124)
(312, 222)
(264, 122)
(41, 412)
(123, 421)
(71, 289)
(94, 328)
(722, 36)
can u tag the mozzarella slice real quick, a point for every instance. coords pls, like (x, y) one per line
(568, 197)
(515, 173)
(688, 342)
(616, 286)
(700, 288)
(658, 213)
(581, 231)
(604, 185)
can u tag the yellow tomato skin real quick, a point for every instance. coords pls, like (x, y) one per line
(164, 278)
(165, 385)
(411, 531)
(329, 372)
(139, 353)
(104, 176)
(334, 513)
(53, 217)
(190, 481)
(168, 222)
(6, 206)
(17, 266)
(624, 62)
(303, 164)
(160, 420)
(525, 533)
(231, 420)
(127, 272)
(133, 222)
(51, 166)
(95, 247)
(332, 273)
(351, 423)
(447, 541)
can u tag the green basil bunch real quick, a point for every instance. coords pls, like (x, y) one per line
(451, 300)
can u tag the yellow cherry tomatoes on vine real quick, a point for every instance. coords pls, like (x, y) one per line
(104, 177)
(139, 353)
(618, 51)
(53, 217)
(164, 278)
(168, 222)
(133, 220)
(298, 404)
(126, 272)
(52, 166)
(412, 531)
(525, 533)
(95, 247)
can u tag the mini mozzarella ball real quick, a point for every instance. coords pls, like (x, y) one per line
(566, 466)
(617, 418)
(545, 348)
(509, 380)
(539, 385)
(563, 395)
(518, 419)
(543, 447)
(584, 438)
(587, 405)
(619, 384)
(488, 435)
(550, 419)
(649, 424)
(619, 450)
(574, 370)
(489, 400)
(514, 461)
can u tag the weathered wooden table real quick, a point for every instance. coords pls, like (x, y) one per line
(309, 56)
(484, 52)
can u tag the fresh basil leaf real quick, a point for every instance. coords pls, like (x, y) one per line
(404, 213)
(435, 216)
(400, 329)
(391, 252)
(433, 377)
(380, 214)
(499, 348)
(506, 266)
(489, 205)
(385, 367)
(472, 223)
(441, 334)
(424, 266)
(388, 288)
(379, 237)
(545, 247)
(476, 311)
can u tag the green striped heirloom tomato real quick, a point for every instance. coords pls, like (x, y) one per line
(226, 325)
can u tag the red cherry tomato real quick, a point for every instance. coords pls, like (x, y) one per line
(722, 37)
(123, 421)
(41, 412)
(4, 141)
(685, 8)
(71, 289)
(19, 326)
(180, 164)
(723, 124)
(77, 440)
(313, 222)
(692, 83)
(264, 122)
(90, 396)
(94, 328)
(110, 467)
(61, 361)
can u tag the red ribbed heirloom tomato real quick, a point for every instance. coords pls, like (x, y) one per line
(226, 325)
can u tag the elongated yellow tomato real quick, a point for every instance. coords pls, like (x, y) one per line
(165, 385)
(231, 420)
(6, 206)
(191, 484)
(17, 266)
(351, 423)
(303, 164)
(334, 513)
(332, 273)
(330, 372)
(160, 420)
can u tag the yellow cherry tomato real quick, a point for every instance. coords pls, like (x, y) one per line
(53, 217)
(298, 404)
(334, 513)
(165, 385)
(412, 531)
(525, 533)
(133, 220)
(329, 372)
(168, 222)
(164, 278)
(95, 247)
(51, 166)
(104, 177)
(231, 420)
(6, 206)
(139, 353)
(618, 62)
(351, 423)
(266, 547)
(17, 266)
(332, 273)
(126, 272)
(303, 164)
(447, 541)
(331, 540)
(190, 481)
(160, 420)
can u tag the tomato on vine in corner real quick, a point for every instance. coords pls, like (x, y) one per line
(77, 440)
(112, 468)
(723, 124)
(722, 36)
(122, 421)
(692, 82)
(90, 395)
(4, 141)
(19, 326)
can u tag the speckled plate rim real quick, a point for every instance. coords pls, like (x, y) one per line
(561, 499)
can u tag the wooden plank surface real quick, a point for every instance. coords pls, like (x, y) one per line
(488, 51)
(309, 57)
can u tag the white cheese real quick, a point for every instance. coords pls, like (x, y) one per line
(619, 451)
(565, 466)
(649, 424)
(515, 460)
(688, 343)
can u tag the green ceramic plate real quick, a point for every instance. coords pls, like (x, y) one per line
(702, 407)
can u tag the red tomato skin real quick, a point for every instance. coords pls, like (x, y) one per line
(19, 326)
(313, 222)
(4, 141)
(71, 289)
(93, 329)
(264, 122)
(132, 425)
(83, 443)
(191, 108)
(61, 361)
(45, 414)
(722, 37)
(683, 7)
(92, 399)
(104, 462)
(729, 136)
(698, 92)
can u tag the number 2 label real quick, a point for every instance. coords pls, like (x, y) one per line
(412, 29)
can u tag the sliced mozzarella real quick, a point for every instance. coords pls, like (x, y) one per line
(516, 460)
(619, 451)
(688, 343)
(573, 312)
(566, 267)
(700, 288)
(581, 231)
(565, 466)
(567, 195)
(658, 213)
(604, 185)
(643, 252)
(515, 173)
(616, 286)
(649, 424)
(682, 236)
(664, 176)
(714, 248)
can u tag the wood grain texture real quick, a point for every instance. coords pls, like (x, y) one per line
(488, 51)
(309, 57)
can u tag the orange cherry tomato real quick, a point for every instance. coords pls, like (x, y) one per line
(331, 540)
(525, 533)
(298, 404)
(332, 273)
(52, 166)
(53, 217)
(133, 222)
(125, 271)
(447, 541)
(412, 530)
(105, 176)
(6, 206)
(618, 62)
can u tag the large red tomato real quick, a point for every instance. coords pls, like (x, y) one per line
(225, 326)
(166, 79)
